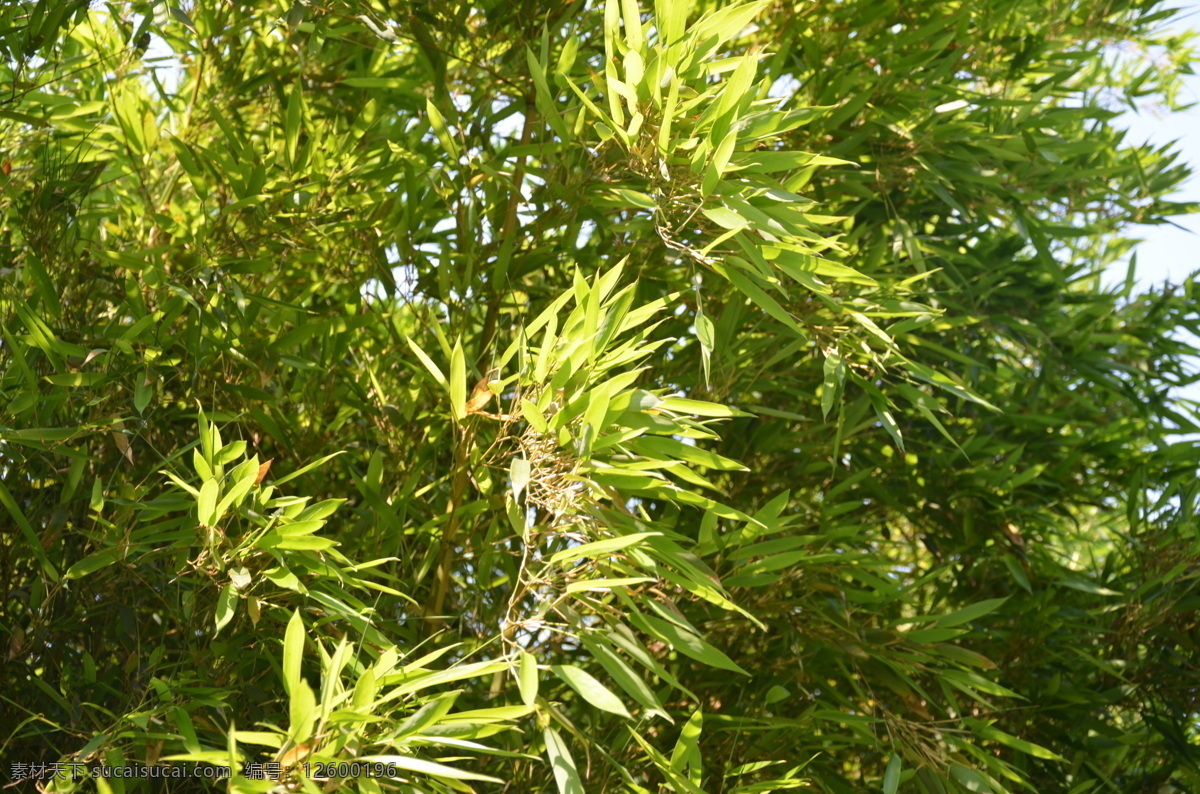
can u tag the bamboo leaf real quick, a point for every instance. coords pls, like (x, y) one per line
(601, 548)
(590, 689)
(566, 776)
(31, 538)
(686, 758)
(518, 474)
(302, 711)
(206, 503)
(92, 563)
(293, 653)
(458, 383)
(891, 777)
(689, 644)
(292, 122)
(972, 612)
(226, 607)
(307, 468)
(527, 678)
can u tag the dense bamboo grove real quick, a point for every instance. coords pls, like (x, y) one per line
(516, 396)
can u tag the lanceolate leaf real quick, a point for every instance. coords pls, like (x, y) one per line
(527, 678)
(293, 652)
(590, 689)
(562, 765)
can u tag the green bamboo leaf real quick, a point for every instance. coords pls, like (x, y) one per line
(96, 502)
(428, 714)
(718, 163)
(1017, 572)
(725, 218)
(331, 675)
(970, 779)
(686, 758)
(891, 777)
(635, 68)
(518, 474)
(24, 118)
(92, 563)
(670, 17)
(226, 607)
(456, 673)
(1086, 586)
(677, 781)
(208, 448)
(769, 162)
(441, 131)
(605, 585)
(187, 730)
(566, 776)
(527, 677)
(568, 54)
(365, 690)
(545, 98)
(433, 369)
(320, 510)
(802, 267)
(601, 548)
(633, 24)
(242, 478)
(298, 528)
(458, 383)
(633, 198)
(665, 144)
(625, 676)
(835, 377)
(971, 683)
(34, 544)
(292, 121)
(727, 22)
(240, 577)
(685, 405)
(737, 86)
(760, 298)
(277, 540)
(942, 381)
(143, 391)
(75, 379)
(302, 711)
(664, 447)
(687, 643)
(531, 414)
(206, 503)
(591, 106)
(230, 452)
(293, 652)
(706, 335)
(972, 612)
(260, 738)
(889, 422)
(996, 735)
(306, 469)
(933, 635)
(431, 768)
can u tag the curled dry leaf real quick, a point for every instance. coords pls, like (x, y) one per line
(481, 395)
(122, 442)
